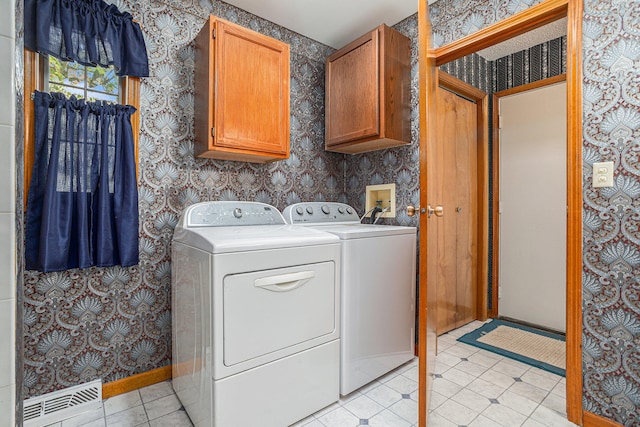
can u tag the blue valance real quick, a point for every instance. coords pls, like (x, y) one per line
(89, 32)
(82, 208)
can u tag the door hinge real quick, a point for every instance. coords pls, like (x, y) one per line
(213, 33)
(500, 207)
(499, 122)
(213, 132)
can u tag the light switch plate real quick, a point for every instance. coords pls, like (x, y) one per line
(603, 174)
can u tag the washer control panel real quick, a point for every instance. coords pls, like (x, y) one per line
(223, 214)
(320, 213)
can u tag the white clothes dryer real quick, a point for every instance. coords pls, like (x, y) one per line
(378, 290)
(255, 310)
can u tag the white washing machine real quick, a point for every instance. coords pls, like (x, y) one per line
(255, 310)
(378, 290)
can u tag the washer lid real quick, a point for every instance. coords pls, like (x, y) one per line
(258, 237)
(362, 231)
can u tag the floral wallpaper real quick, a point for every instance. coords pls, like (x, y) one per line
(111, 323)
(611, 253)
(453, 19)
(611, 216)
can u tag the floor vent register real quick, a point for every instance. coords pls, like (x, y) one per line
(62, 404)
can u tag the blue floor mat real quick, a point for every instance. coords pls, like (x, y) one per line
(472, 339)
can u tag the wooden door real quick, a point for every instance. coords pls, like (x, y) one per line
(456, 179)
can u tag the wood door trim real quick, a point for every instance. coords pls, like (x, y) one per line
(520, 23)
(426, 302)
(530, 86)
(495, 158)
(592, 420)
(574, 212)
(547, 11)
(481, 99)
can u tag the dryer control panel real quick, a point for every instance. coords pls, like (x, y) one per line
(320, 213)
(224, 214)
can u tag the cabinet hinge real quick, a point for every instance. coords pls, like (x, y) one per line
(213, 33)
(213, 132)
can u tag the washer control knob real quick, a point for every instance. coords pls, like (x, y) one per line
(349, 211)
(237, 212)
(299, 210)
(309, 210)
(341, 210)
(325, 209)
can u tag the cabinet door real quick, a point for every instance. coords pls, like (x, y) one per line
(252, 91)
(352, 91)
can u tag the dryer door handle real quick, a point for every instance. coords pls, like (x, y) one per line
(285, 282)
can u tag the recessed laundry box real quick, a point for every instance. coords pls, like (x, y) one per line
(255, 308)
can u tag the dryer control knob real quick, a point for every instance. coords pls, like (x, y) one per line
(349, 211)
(341, 210)
(237, 212)
(299, 210)
(325, 209)
(309, 210)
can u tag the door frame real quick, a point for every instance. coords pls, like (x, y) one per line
(481, 99)
(495, 157)
(520, 23)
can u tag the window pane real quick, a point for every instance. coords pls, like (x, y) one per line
(72, 78)
(67, 90)
(100, 96)
(69, 73)
(102, 79)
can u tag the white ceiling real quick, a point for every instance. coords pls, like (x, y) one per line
(534, 37)
(338, 22)
(332, 22)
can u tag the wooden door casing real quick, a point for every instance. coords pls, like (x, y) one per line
(427, 299)
(520, 23)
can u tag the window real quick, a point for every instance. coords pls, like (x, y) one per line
(91, 83)
(52, 75)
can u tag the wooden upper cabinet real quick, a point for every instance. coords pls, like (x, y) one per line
(241, 94)
(368, 93)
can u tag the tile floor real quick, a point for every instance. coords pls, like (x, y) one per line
(473, 388)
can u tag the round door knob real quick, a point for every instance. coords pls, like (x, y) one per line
(299, 210)
(325, 209)
(439, 211)
(411, 210)
(309, 210)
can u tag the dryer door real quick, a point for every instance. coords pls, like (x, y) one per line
(269, 310)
